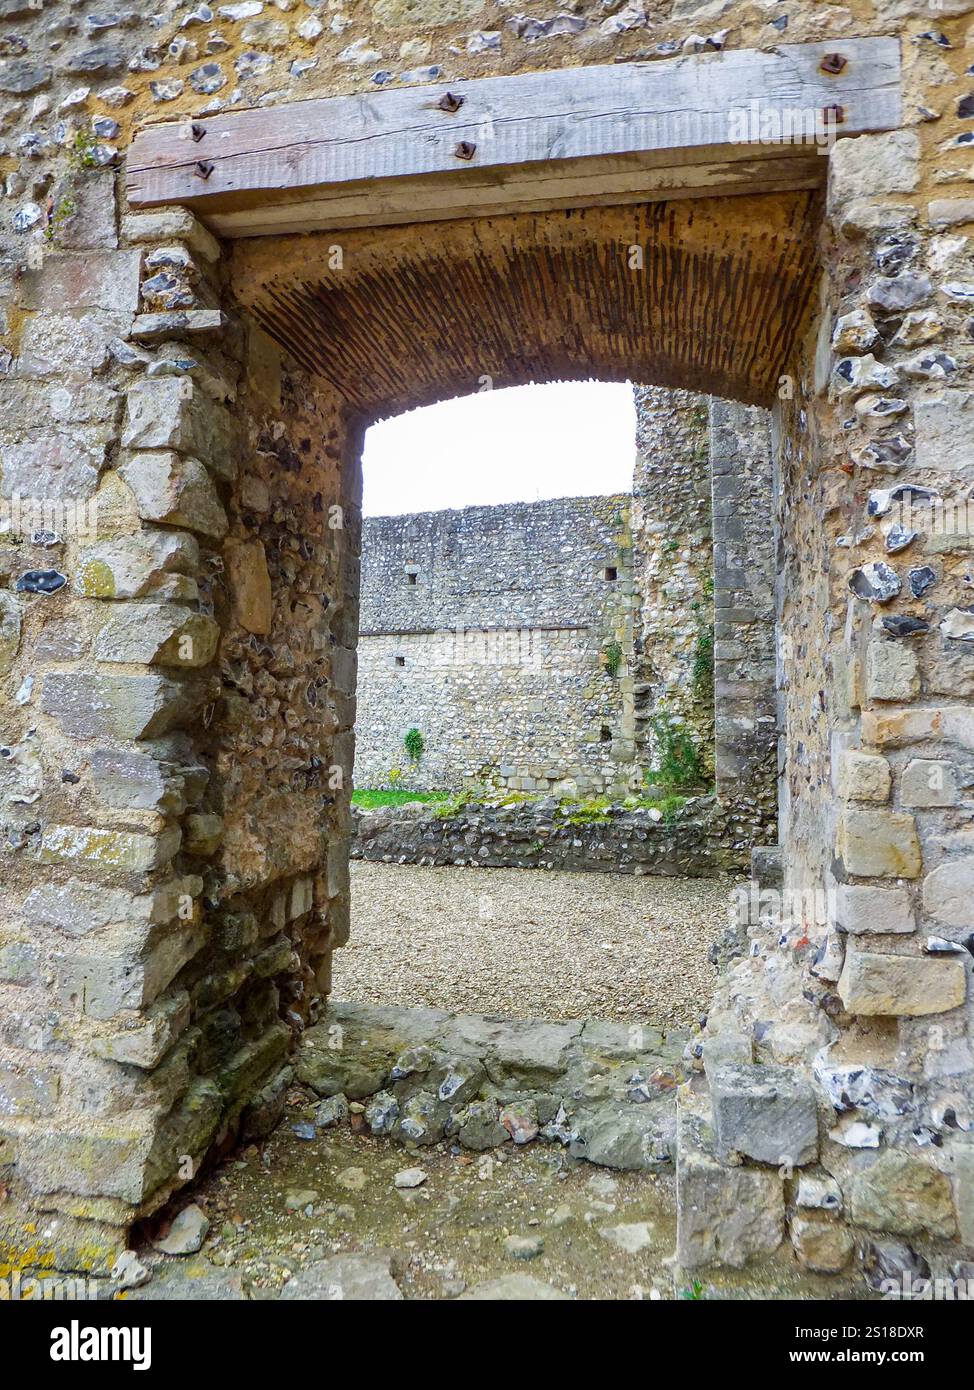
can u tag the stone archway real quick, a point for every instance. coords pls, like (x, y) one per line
(179, 894)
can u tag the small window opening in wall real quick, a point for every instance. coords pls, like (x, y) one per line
(411, 578)
(605, 734)
(400, 661)
(611, 572)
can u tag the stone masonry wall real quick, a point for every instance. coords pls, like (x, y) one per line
(181, 666)
(697, 842)
(674, 569)
(490, 630)
(198, 665)
(745, 688)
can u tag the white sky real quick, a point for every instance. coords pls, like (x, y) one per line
(521, 444)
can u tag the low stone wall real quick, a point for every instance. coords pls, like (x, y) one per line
(605, 1091)
(699, 842)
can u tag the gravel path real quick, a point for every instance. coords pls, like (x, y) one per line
(529, 944)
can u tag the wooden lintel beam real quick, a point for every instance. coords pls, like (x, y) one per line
(341, 161)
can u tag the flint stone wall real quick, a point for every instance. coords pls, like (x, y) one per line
(488, 629)
(539, 835)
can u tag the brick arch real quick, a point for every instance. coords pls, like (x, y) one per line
(403, 320)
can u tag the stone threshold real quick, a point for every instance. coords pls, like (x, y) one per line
(605, 1091)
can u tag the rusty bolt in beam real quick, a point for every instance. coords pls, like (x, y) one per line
(450, 101)
(465, 150)
(197, 131)
(203, 169)
(833, 115)
(832, 63)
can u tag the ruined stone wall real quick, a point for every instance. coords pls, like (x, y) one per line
(863, 964)
(673, 565)
(696, 841)
(502, 634)
(150, 975)
(179, 670)
(745, 559)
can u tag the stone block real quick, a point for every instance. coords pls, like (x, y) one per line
(302, 898)
(879, 844)
(52, 465)
(275, 959)
(204, 834)
(188, 1129)
(250, 585)
(628, 1139)
(96, 1158)
(77, 907)
(170, 224)
(92, 224)
(135, 566)
(244, 1071)
(765, 1113)
(103, 986)
(349, 1278)
(892, 672)
(894, 728)
(92, 280)
(948, 892)
(126, 850)
(157, 635)
(928, 782)
(864, 777)
(176, 491)
(131, 780)
(725, 1215)
(29, 1091)
(963, 1182)
(20, 76)
(10, 628)
(534, 1052)
(179, 323)
(862, 909)
(416, 14)
(264, 1113)
(950, 212)
(945, 430)
(128, 707)
(68, 346)
(871, 164)
(900, 986)
(169, 413)
(821, 1243)
(818, 1192)
(904, 1196)
(19, 963)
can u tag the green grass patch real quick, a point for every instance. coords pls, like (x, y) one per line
(581, 811)
(594, 809)
(370, 797)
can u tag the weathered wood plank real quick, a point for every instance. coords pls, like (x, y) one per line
(531, 188)
(673, 110)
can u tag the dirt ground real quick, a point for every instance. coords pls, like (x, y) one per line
(602, 1234)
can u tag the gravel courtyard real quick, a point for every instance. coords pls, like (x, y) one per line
(528, 944)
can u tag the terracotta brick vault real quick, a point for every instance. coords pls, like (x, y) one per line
(179, 443)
